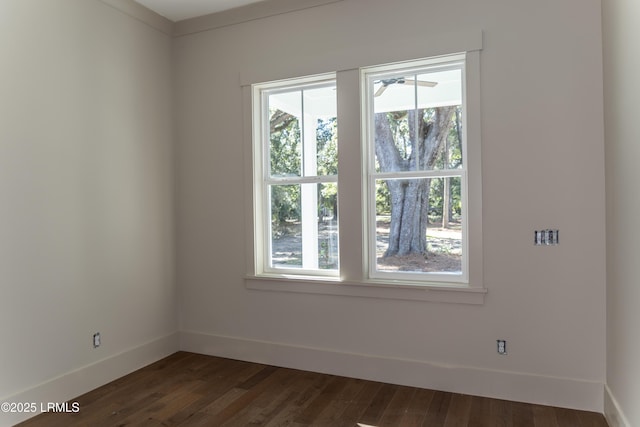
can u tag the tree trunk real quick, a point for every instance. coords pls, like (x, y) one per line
(410, 198)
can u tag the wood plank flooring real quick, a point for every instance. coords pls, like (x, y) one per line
(187, 389)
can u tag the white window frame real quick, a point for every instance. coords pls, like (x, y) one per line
(263, 179)
(354, 279)
(368, 76)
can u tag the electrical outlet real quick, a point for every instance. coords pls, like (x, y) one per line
(96, 340)
(549, 237)
(502, 347)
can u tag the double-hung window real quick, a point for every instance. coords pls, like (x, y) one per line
(411, 211)
(416, 170)
(297, 186)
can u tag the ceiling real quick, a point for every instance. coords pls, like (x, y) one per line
(177, 10)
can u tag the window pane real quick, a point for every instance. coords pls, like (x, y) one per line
(321, 131)
(327, 146)
(417, 120)
(419, 225)
(285, 139)
(442, 105)
(286, 242)
(328, 255)
(303, 132)
(304, 226)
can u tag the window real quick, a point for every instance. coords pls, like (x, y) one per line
(416, 170)
(297, 157)
(410, 213)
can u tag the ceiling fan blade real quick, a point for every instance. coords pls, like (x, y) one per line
(380, 90)
(421, 83)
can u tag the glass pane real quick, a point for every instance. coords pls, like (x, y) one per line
(321, 131)
(417, 121)
(304, 226)
(328, 255)
(327, 146)
(392, 93)
(419, 225)
(442, 112)
(285, 139)
(439, 88)
(393, 102)
(286, 242)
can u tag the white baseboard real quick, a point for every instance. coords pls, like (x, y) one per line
(515, 386)
(612, 411)
(86, 378)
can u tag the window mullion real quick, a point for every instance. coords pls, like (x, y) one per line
(350, 181)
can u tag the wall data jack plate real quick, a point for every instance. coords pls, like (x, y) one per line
(547, 237)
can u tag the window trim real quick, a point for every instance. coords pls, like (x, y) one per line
(353, 279)
(370, 289)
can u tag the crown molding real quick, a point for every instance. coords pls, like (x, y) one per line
(241, 14)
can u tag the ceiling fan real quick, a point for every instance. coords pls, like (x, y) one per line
(401, 80)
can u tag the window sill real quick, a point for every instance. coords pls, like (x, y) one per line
(448, 293)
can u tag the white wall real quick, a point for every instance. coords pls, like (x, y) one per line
(86, 203)
(543, 167)
(621, 19)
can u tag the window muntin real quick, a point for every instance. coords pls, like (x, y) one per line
(416, 171)
(297, 201)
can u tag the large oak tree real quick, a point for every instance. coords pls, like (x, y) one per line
(428, 129)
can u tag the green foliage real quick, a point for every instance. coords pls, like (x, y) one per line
(285, 144)
(327, 148)
(285, 160)
(436, 197)
(285, 151)
(383, 200)
(285, 204)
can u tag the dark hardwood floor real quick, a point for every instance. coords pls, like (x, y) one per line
(187, 389)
